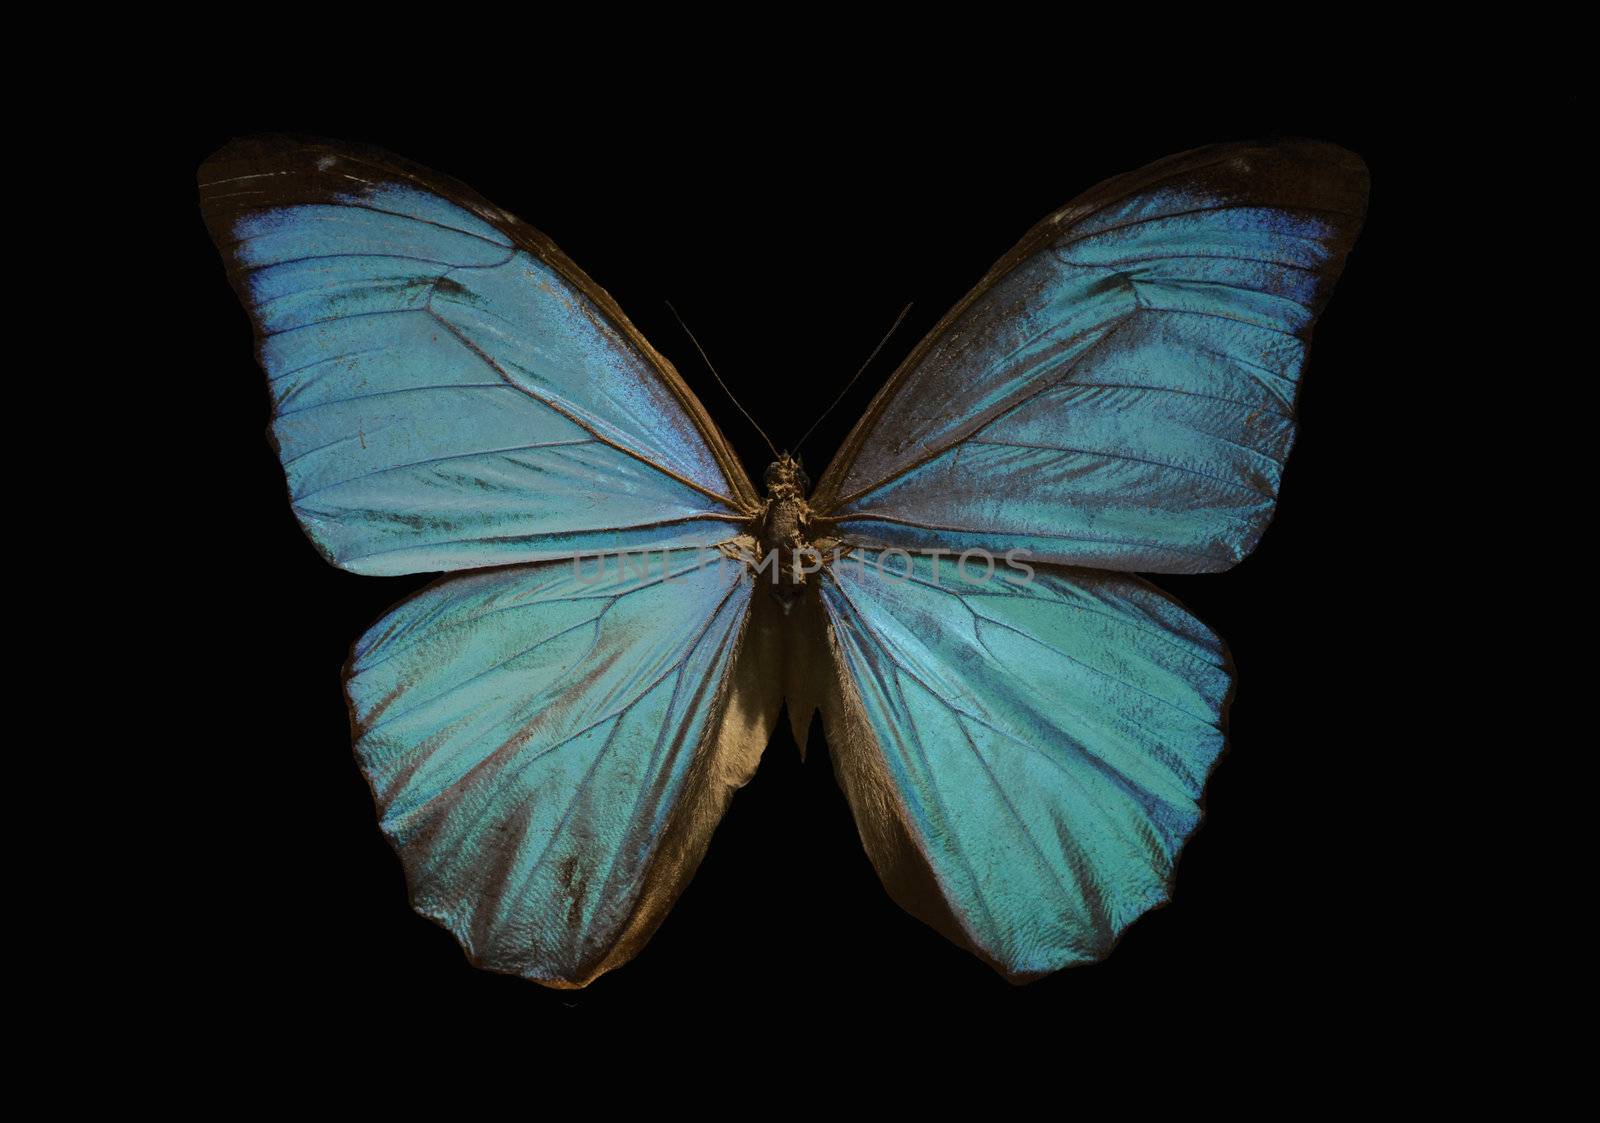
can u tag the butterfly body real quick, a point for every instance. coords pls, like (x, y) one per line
(550, 746)
(783, 532)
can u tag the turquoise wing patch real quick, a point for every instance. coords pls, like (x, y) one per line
(448, 391)
(1119, 392)
(543, 745)
(1024, 760)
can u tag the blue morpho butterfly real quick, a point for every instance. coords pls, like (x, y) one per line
(551, 745)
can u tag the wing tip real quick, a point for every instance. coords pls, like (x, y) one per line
(1306, 171)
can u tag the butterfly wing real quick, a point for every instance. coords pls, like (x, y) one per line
(550, 747)
(1023, 761)
(1119, 390)
(448, 390)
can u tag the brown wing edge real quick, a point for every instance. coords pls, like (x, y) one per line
(288, 168)
(1337, 178)
(744, 714)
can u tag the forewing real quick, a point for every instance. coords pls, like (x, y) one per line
(1119, 391)
(1024, 760)
(448, 390)
(550, 748)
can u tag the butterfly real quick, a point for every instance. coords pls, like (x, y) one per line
(551, 732)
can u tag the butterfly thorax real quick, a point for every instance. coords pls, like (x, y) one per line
(782, 532)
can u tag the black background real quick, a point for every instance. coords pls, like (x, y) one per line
(788, 236)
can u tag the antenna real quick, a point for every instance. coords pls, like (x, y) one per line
(718, 377)
(857, 375)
